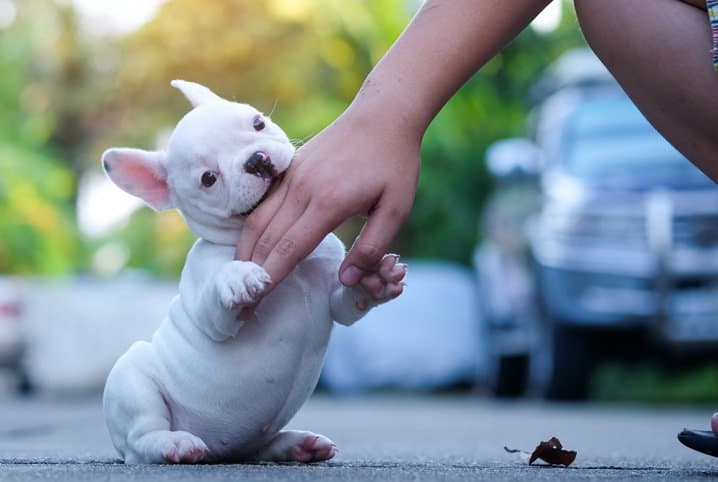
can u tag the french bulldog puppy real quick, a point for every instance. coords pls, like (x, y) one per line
(210, 387)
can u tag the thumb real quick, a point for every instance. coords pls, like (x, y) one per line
(371, 245)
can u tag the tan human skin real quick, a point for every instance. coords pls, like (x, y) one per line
(664, 65)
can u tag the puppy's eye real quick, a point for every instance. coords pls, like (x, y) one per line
(209, 178)
(258, 123)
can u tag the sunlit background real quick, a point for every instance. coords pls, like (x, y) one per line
(79, 76)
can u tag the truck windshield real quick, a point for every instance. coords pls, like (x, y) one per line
(608, 140)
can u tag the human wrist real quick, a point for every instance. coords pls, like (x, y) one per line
(381, 105)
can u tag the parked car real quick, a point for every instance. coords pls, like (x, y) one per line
(615, 251)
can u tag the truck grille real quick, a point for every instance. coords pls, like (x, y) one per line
(696, 230)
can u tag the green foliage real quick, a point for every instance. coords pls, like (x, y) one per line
(157, 242)
(654, 383)
(305, 60)
(37, 230)
(64, 98)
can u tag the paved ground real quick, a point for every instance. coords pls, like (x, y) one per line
(381, 439)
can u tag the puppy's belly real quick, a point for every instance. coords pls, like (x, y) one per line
(237, 394)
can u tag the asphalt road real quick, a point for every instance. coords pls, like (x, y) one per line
(382, 438)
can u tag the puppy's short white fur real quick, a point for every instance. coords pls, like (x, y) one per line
(209, 387)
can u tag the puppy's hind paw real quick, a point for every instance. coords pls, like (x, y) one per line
(184, 448)
(298, 446)
(314, 448)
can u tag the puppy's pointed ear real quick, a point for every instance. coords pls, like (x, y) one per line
(140, 173)
(196, 94)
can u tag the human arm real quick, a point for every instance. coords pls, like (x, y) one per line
(367, 161)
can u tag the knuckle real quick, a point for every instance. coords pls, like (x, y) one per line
(399, 212)
(252, 224)
(286, 248)
(327, 200)
(296, 197)
(367, 252)
(299, 185)
(264, 246)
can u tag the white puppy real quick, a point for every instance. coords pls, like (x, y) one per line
(209, 387)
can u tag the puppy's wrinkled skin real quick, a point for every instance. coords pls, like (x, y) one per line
(210, 387)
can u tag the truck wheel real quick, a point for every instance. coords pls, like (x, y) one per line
(572, 365)
(509, 375)
(24, 385)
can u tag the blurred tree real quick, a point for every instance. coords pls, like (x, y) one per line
(37, 229)
(301, 59)
(65, 97)
(304, 60)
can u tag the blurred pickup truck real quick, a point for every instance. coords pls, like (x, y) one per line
(600, 239)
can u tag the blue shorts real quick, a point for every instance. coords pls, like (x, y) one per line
(713, 16)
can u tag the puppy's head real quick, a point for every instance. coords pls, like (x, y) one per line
(222, 159)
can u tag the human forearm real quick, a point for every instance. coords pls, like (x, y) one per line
(445, 43)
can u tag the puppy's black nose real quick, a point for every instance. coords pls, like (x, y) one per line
(260, 164)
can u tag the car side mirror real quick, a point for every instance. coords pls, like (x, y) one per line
(514, 158)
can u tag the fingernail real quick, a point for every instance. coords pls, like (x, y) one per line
(350, 276)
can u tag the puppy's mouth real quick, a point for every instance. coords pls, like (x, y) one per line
(276, 180)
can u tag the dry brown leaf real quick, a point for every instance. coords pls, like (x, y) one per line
(551, 451)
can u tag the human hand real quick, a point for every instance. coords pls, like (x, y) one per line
(365, 163)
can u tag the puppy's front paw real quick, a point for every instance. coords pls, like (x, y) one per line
(241, 283)
(383, 285)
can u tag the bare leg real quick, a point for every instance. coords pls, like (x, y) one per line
(660, 52)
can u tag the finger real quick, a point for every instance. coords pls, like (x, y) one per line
(256, 223)
(371, 244)
(296, 244)
(274, 234)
